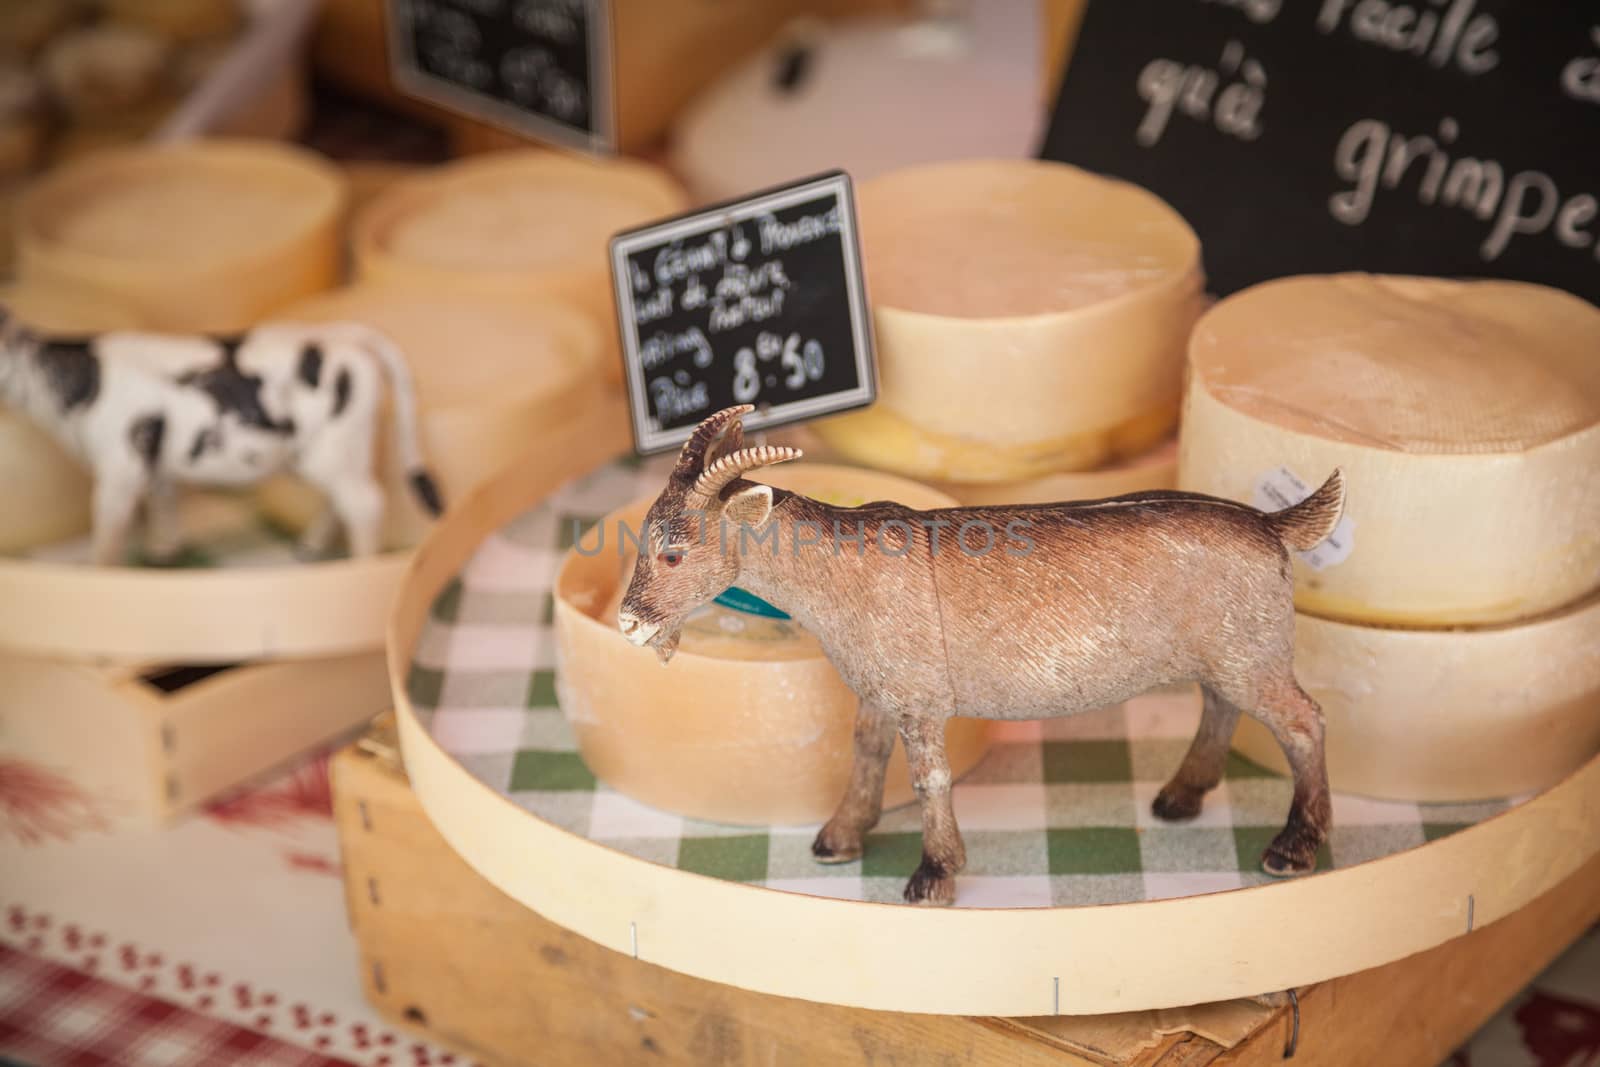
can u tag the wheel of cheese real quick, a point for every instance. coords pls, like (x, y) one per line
(1031, 318)
(201, 236)
(47, 492)
(749, 723)
(178, 20)
(515, 223)
(1449, 715)
(1156, 469)
(487, 372)
(1466, 418)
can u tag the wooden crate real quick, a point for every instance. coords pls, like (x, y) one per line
(665, 51)
(447, 954)
(151, 742)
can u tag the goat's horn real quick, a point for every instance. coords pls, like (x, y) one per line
(693, 457)
(716, 477)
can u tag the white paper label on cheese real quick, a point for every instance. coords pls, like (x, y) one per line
(1282, 488)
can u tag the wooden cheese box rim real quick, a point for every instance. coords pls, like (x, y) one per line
(1586, 605)
(371, 231)
(1174, 278)
(1211, 360)
(1024, 961)
(85, 612)
(43, 204)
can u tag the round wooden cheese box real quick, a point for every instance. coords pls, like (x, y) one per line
(1031, 318)
(489, 374)
(515, 224)
(742, 671)
(1466, 418)
(204, 236)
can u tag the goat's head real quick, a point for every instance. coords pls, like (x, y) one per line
(689, 547)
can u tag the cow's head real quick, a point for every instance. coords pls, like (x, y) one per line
(692, 535)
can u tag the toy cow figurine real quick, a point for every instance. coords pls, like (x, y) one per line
(1021, 612)
(147, 413)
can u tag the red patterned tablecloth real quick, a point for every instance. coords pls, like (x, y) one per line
(219, 941)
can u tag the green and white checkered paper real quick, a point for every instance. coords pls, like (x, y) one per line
(1058, 813)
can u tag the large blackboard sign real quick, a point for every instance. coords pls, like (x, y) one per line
(536, 67)
(758, 302)
(1448, 137)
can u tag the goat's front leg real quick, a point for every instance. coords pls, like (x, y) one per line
(116, 499)
(943, 852)
(840, 839)
(1202, 767)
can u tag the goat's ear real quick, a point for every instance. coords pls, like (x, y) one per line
(750, 507)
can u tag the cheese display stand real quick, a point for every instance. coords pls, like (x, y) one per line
(451, 957)
(1056, 820)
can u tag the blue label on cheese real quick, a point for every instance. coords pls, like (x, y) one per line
(740, 600)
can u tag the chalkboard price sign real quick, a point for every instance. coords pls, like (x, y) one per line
(536, 67)
(759, 301)
(1446, 137)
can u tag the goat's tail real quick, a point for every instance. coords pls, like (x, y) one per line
(1306, 525)
(403, 400)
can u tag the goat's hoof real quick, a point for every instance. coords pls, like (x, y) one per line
(1175, 803)
(1294, 851)
(930, 885)
(834, 848)
(1288, 863)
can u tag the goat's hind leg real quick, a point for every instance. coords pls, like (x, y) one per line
(1296, 722)
(840, 839)
(1201, 770)
(943, 851)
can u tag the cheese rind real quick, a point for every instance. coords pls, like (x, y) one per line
(513, 223)
(749, 723)
(487, 372)
(1156, 469)
(1466, 419)
(1027, 313)
(1449, 715)
(206, 236)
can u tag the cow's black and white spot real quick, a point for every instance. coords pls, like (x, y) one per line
(71, 370)
(145, 434)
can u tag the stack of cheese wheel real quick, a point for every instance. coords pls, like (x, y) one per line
(1450, 628)
(1031, 319)
(755, 726)
(47, 491)
(514, 224)
(488, 372)
(204, 236)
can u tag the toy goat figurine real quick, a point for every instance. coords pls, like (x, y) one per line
(1085, 605)
(149, 412)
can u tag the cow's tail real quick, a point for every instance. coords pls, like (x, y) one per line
(403, 400)
(1306, 525)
